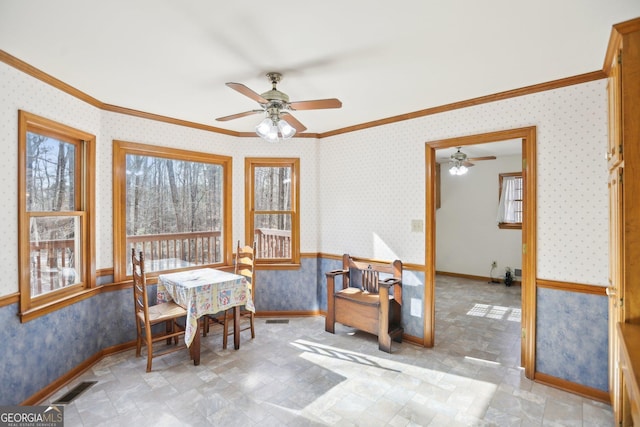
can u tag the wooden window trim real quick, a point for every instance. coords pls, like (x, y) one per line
(121, 149)
(508, 225)
(34, 307)
(249, 167)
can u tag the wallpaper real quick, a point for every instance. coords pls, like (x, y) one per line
(18, 91)
(572, 191)
(359, 194)
(572, 180)
(122, 127)
(29, 349)
(572, 344)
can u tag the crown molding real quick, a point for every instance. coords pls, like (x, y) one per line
(554, 84)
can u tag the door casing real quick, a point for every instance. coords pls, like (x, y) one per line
(529, 233)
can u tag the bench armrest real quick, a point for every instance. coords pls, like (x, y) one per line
(387, 283)
(335, 273)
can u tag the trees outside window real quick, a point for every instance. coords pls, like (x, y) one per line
(272, 209)
(56, 208)
(174, 206)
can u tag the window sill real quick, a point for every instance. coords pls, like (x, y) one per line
(50, 307)
(510, 226)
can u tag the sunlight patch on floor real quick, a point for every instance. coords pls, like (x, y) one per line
(495, 312)
(442, 391)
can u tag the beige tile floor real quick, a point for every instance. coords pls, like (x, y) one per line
(296, 374)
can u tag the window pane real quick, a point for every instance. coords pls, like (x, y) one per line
(273, 235)
(174, 211)
(510, 203)
(50, 174)
(54, 253)
(272, 188)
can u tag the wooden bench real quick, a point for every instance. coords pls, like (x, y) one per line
(366, 301)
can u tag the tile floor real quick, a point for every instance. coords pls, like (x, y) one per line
(296, 374)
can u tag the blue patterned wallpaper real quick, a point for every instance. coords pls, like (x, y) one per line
(571, 331)
(572, 337)
(287, 290)
(36, 353)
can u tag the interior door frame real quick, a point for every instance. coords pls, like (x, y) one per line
(529, 234)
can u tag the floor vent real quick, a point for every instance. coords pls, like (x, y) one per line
(277, 321)
(74, 392)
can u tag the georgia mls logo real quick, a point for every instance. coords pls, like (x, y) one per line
(56, 411)
(31, 416)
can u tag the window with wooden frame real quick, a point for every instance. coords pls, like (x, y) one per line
(272, 212)
(173, 205)
(510, 200)
(56, 226)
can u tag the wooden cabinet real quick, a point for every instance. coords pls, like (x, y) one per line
(630, 365)
(614, 151)
(614, 290)
(623, 87)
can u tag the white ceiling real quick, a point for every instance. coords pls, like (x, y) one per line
(380, 58)
(509, 147)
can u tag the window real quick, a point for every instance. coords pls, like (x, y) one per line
(510, 200)
(56, 207)
(173, 205)
(272, 209)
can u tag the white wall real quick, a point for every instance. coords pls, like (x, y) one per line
(20, 91)
(467, 235)
(373, 181)
(359, 191)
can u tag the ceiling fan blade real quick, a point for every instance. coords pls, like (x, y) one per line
(316, 104)
(293, 121)
(468, 164)
(247, 92)
(477, 159)
(237, 116)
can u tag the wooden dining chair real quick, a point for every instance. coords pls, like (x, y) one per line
(147, 316)
(244, 266)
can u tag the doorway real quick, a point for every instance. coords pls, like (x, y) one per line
(528, 137)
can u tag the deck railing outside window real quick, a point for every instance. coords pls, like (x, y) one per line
(273, 243)
(173, 251)
(52, 264)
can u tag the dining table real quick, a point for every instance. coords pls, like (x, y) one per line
(205, 291)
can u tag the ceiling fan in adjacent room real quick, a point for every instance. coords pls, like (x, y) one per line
(460, 162)
(276, 105)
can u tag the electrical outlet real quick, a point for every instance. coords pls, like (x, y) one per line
(494, 264)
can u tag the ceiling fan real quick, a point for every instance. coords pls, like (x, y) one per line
(459, 162)
(277, 105)
(463, 159)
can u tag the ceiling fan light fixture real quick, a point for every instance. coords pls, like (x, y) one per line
(268, 130)
(458, 168)
(264, 127)
(457, 163)
(286, 130)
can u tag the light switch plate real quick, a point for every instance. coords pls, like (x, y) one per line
(417, 226)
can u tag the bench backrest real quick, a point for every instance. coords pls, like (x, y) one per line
(366, 274)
